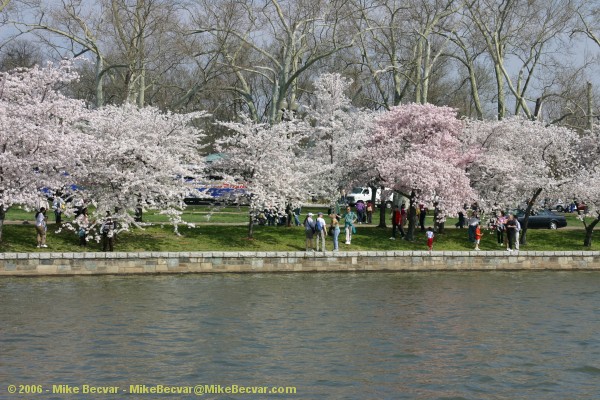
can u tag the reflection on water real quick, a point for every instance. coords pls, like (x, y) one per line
(501, 335)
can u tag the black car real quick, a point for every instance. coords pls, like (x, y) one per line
(542, 219)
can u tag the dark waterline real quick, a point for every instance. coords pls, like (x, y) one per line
(472, 335)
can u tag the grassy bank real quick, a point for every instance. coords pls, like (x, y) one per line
(21, 238)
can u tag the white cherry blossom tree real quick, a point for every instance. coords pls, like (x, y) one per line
(39, 138)
(339, 132)
(586, 184)
(140, 159)
(269, 161)
(522, 159)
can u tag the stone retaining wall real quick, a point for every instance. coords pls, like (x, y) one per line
(40, 264)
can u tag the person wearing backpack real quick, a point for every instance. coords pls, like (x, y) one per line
(309, 229)
(321, 231)
(41, 226)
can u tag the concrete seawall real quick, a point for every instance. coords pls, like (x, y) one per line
(43, 264)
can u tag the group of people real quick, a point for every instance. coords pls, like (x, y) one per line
(108, 226)
(318, 227)
(507, 228)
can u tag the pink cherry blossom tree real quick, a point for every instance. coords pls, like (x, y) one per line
(521, 160)
(416, 150)
(269, 161)
(39, 137)
(139, 159)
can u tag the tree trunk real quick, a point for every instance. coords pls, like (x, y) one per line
(2, 216)
(500, 92)
(530, 203)
(99, 88)
(589, 230)
(590, 108)
(412, 218)
(382, 210)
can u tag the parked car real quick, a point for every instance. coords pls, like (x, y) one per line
(542, 219)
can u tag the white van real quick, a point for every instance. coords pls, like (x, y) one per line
(364, 194)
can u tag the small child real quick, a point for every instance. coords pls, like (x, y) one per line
(430, 236)
(478, 235)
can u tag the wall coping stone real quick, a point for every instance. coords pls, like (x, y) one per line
(295, 254)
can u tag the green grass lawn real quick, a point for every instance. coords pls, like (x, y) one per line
(236, 215)
(22, 238)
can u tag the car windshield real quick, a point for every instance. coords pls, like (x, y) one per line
(356, 190)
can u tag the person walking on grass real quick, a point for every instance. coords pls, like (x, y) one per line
(349, 221)
(309, 230)
(430, 236)
(478, 235)
(321, 231)
(41, 227)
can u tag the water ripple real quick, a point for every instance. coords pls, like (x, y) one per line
(496, 335)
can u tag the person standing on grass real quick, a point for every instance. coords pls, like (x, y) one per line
(349, 221)
(461, 220)
(335, 231)
(309, 230)
(41, 227)
(108, 233)
(369, 212)
(396, 221)
(422, 215)
(321, 231)
(297, 211)
(430, 236)
(84, 222)
(473, 222)
(501, 228)
(517, 233)
(403, 219)
(360, 210)
(478, 235)
(58, 205)
(511, 232)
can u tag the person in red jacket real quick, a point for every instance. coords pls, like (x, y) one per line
(396, 222)
(478, 236)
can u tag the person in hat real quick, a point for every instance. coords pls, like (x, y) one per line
(309, 229)
(321, 231)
